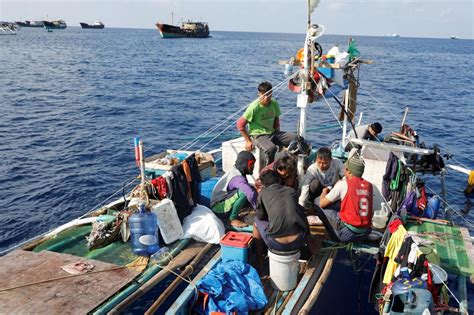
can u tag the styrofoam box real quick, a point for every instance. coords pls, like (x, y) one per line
(168, 221)
(231, 148)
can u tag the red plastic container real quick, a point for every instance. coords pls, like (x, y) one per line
(235, 246)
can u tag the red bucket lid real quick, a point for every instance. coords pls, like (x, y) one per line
(236, 239)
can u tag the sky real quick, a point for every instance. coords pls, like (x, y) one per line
(409, 18)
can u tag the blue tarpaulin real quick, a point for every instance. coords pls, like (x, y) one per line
(233, 286)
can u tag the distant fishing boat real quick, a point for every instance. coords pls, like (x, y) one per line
(7, 28)
(392, 35)
(57, 24)
(454, 37)
(30, 23)
(187, 29)
(95, 25)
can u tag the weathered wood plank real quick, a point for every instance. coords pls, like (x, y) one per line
(59, 292)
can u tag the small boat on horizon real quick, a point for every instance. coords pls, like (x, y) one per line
(392, 35)
(94, 25)
(188, 29)
(454, 37)
(57, 24)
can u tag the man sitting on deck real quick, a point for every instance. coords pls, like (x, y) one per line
(325, 172)
(280, 222)
(285, 168)
(263, 118)
(233, 192)
(354, 220)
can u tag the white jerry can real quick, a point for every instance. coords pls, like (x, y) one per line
(168, 221)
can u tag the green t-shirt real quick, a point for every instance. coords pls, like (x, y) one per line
(261, 118)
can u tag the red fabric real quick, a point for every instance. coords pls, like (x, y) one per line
(422, 200)
(393, 226)
(356, 207)
(431, 286)
(241, 123)
(276, 124)
(161, 186)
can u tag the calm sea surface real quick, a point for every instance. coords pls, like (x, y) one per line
(73, 100)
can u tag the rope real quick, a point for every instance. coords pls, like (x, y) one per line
(276, 88)
(66, 277)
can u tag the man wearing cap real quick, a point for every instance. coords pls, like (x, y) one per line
(365, 132)
(233, 192)
(353, 221)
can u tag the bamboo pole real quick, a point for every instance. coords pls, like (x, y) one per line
(319, 285)
(179, 261)
(186, 272)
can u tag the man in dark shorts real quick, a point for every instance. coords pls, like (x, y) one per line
(280, 223)
(263, 119)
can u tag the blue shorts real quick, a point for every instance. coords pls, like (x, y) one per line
(262, 227)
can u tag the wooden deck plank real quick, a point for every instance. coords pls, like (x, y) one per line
(64, 295)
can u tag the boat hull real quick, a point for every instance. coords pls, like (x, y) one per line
(54, 25)
(170, 31)
(92, 26)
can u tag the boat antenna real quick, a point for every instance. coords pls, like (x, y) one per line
(312, 4)
(172, 18)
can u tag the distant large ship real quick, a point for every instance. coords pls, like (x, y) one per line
(57, 25)
(95, 25)
(187, 29)
(30, 23)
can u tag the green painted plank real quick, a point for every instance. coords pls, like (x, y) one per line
(450, 245)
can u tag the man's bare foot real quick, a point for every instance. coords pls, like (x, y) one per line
(238, 224)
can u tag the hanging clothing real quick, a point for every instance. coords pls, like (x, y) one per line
(393, 247)
(390, 173)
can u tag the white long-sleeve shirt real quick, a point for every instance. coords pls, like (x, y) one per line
(327, 178)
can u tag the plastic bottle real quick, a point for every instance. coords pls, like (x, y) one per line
(404, 273)
(160, 255)
(144, 232)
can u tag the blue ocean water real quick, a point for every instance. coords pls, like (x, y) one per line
(72, 101)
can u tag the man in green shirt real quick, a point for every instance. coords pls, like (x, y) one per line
(263, 119)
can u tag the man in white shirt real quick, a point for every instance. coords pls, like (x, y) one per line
(324, 172)
(364, 132)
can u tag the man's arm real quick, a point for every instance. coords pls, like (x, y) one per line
(276, 124)
(241, 183)
(241, 126)
(323, 200)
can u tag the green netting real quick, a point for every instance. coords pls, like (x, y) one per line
(73, 241)
(449, 244)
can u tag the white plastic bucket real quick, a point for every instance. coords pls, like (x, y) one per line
(284, 270)
(379, 220)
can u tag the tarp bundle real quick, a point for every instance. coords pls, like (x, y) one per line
(233, 286)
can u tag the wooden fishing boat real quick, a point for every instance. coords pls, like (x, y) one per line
(60, 271)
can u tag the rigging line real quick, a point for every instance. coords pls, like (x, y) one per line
(358, 153)
(383, 105)
(107, 199)
(451, 292)
(390, 112)
(49, 231)
(461, 164)
(343, 109)
(207, 143)
(471, 224)
(275, 88)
